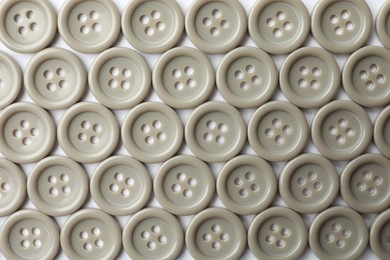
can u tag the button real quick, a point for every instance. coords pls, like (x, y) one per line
(216, 233)
(338, 233)
(310, 77)
(216, 26)
(29, 234)
(382, 132)
(183, 77)
(119, 78)
(121, 185)
(247, 77)
(379, 235)
(365, 76)
(278, 131)
(88, 132)
(10, 80)
(28, 26)
(27, 133)
(215, 131)
(277, 233)
(152, 132)
(246, 184)
(309, 183)
(12, 187)
(184, 185)
(55, 78)
(341, 130)
(90, 26)
(152, 26)
(382, 26)
(343, 26)
(91, 234)
(57, 186)
(365, 183)
(279, 27)
(153, 233)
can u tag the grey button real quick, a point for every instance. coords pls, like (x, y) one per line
(382, 25)
(10, 80)
(379, 235)
(382, 132)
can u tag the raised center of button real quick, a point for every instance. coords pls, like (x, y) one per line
(277, 235)
(153, 237)
(369, 183)
(122, 185)
(278, 131)
(152, 23)
(184, 185)
(90, 131)
(25, 22)
(308, 183)
(215, 237)
(25, 132)
(279, 24)
(183, 78)
(91, 239)
(341, 131)
(215, 22)
(55, 80)
(309, 77)
(120, 77)
(247, 77)
(342, 23)
(58, 184)
(215, 132)
(153, 133)
(30, 238)
(338, 235)
(246, 184)
(372, 77)
(89, 22)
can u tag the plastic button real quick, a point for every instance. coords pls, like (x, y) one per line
(55, 78)
(365, 183)
(27, 133)
(279, 27)
(183, 77)
(89, 26)
(88, 132)
(310, 77)
(247, 184)
(27, 26)
(216, 26)
(382, 25)
(57, 186)
(152, 132)
(184, 185)
(10, 79)
(119, 78)
(338, 233)
(121, 185)
(382, 132)
(152, 26)
(341, 26)
(29, 234)
(216, 233)
(215, 131)
(277, 233)
(247, 77)
(153, 234)
(278, 131)
(12, 187)
(341, 130)
(379, 235)
(365, 76)
(309, 183)
(91, 234)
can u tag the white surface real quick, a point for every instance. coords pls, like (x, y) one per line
(151, 59)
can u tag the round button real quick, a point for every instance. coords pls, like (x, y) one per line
(379, 235)
(216, 233)
(277, 233)
(278, 131)
(382, 24)
(152, 132)
(55, 78)
(247, 77)
(29, 234)
(153, 233)
(152, 26)
(119, 78)
(310, 77)
(365, 76)
(309, 183)
(216, 26)
(341, 130)
(246, 184)
(57, 186)
(89, 26)
(183, 77)
(382, 132)
(28, 26)
(338, 233)
(12, 187)
(88, 132)
(27, 133)
(10, 79)
(279, 27)
(121, 185)
(184, 185)
(365, 183)
(91, 234)
(215, 131)
(341, 26)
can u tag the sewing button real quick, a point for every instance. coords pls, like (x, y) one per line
(379, 235)
(10, 80)
(382, 132)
